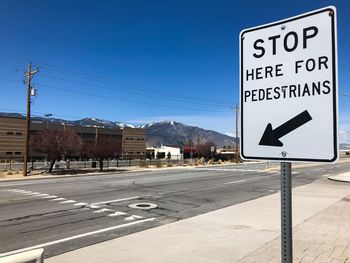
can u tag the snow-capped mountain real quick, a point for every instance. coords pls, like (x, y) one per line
(175, 133)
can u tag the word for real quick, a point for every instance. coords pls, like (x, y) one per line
(309, 65)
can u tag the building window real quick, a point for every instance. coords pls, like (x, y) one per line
(9, 133)
(19, 133)
(17, 153)
(8, 153)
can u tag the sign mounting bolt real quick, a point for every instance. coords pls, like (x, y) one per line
(331, 13)
(283, 27)
(284, 154)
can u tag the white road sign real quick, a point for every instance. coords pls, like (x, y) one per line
(288, 91)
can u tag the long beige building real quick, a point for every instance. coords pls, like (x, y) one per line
(129, 142)
(12, 138)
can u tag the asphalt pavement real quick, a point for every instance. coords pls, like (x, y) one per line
(63, 214)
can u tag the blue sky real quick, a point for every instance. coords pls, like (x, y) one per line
(141, 61)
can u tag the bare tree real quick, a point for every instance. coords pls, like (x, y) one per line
(204, 150)
(102, 148)
(56, 143)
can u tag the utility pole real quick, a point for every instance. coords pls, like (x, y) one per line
(29, 76)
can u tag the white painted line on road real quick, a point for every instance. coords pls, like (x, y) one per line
(18, 190)
(118, 213)
(81, 204)
(117, 200)
(326, 175)
(228, 170)
(33, 193)
(68, 202)
(77, 236)
(41, 195)
(23, 192)
(102, 210)
(236, 182)
(94, 206)
(133, 217)
(59, 199)
(49, 197)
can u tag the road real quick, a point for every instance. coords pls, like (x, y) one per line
(64, 214)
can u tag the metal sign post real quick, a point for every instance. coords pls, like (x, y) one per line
(286, 213)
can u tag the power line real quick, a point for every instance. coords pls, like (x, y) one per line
(117, 99)
(119, 83)
(124, 100)
(148, 94)
(116, 83)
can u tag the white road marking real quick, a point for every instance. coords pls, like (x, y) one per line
(68, 202)
(33, 193)
(229, 170)
(133, 217)
(94, 206)
(236, 182)
(41, 195)
(18, 190)
(102, 210)
(80, 204)
(49, 197)
(77, 236)
(117, 200)
(117, 214)
(59, 199)
(326, 175)
(23, 192)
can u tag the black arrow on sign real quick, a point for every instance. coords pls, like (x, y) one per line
(271, 137)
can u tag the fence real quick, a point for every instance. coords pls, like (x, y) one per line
(126, 161)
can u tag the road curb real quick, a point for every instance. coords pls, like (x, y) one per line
(333, 178)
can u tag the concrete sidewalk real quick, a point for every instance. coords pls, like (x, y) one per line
(247, 232)
(343, 177)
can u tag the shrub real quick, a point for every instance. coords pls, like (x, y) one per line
(201, 161)
(144, 164)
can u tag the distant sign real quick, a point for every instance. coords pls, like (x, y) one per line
(288, 92)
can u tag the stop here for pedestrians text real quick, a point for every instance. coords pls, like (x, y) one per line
(290, 42)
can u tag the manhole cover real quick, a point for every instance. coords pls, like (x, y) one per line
(143, 206)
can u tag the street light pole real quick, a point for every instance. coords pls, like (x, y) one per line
(236, 109)
(48, 115)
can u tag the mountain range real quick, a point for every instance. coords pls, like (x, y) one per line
(158, 133)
